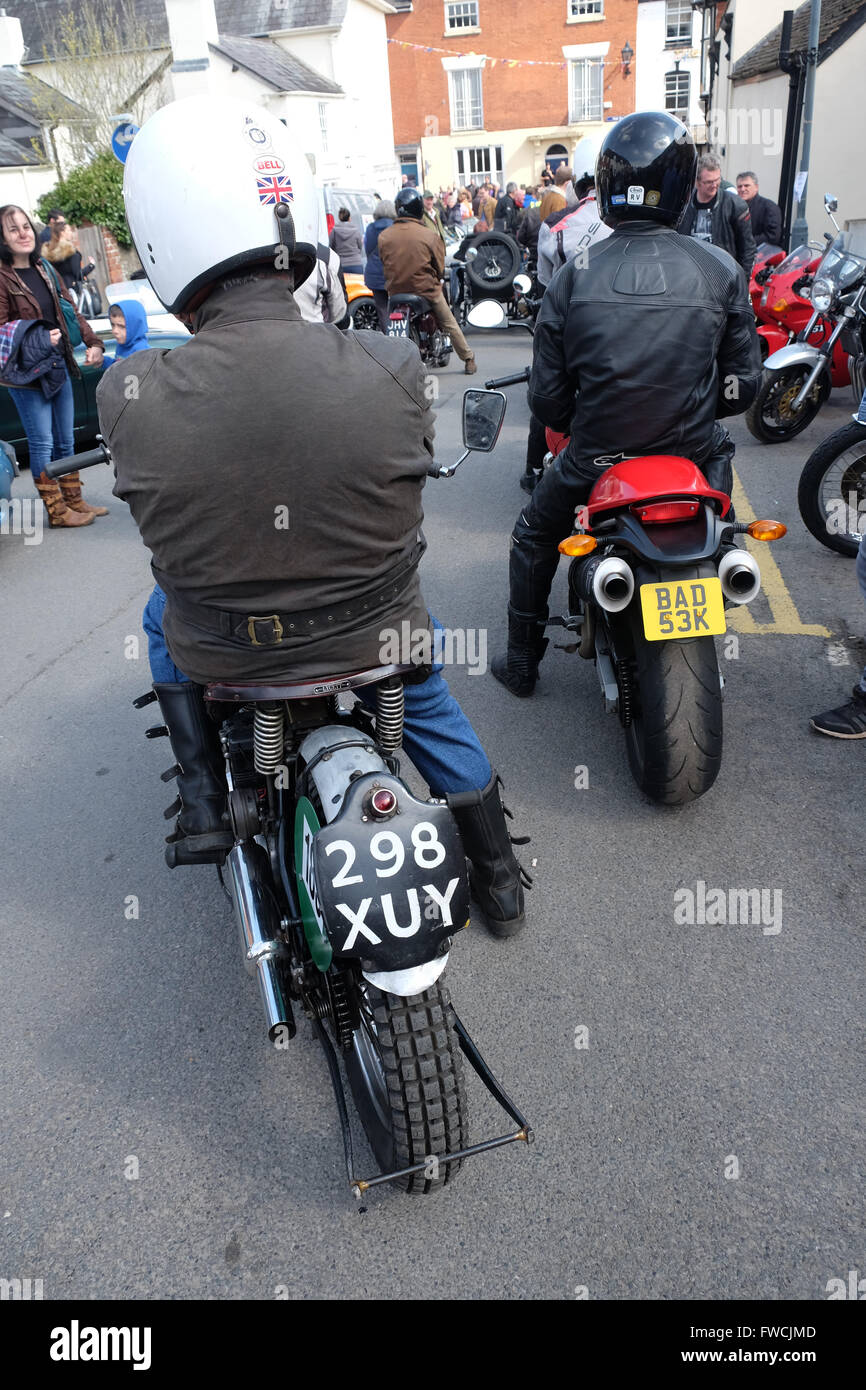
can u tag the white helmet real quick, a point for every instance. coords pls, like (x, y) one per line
(211, 185)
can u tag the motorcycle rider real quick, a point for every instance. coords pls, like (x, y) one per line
(636, 352)
(414, 260)
(274, 521)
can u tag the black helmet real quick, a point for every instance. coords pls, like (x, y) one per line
(408, 203)
(646, 169)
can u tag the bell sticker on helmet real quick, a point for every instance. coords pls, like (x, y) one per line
(653, 198)
(275, 188)
(635, 193)
(269, 164)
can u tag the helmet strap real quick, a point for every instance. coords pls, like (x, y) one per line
(285, 248)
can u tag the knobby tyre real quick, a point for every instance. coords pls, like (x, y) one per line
(831, 493)
(674, 741)
(405, 1073)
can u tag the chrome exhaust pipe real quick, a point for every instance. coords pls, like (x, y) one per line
(612, 584)
(248, 870)
(740, 576)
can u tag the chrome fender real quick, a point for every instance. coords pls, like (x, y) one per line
(793, 355)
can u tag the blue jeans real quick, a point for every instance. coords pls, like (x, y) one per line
(437, 736)
(49, 425)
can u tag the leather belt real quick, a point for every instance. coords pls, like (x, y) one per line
(272, 629)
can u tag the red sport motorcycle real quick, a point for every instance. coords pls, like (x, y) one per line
(654, 565)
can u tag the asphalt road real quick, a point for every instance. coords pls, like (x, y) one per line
(706, 1142)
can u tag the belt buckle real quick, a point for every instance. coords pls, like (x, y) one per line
(268, 618)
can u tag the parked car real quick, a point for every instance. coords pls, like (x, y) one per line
(143, 291)
(359, 201)
(83, 389)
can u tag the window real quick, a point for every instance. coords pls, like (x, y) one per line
(586, 9)
(677, 86)
(479, 162)
(461, 16)
(323, 126)
(465, 90)
(586, 94)
(678, 23)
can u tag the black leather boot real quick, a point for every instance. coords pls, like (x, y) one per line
(518, 669)
(201, 834)
(496, 878)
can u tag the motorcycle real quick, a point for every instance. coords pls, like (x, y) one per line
(348, 891)
(654, 566)
(832, 490)
(798, 377)
(411, 316)
(775, 289)
(489, 288)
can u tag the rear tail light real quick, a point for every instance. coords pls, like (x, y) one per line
(396, 315)
(655, 513)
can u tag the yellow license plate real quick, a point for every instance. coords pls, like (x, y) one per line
(689, 608)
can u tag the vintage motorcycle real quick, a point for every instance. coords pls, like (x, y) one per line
(832, 491)
(654, 566)
(348, 891)
(798, 378)
(411, 316)
(488, 286)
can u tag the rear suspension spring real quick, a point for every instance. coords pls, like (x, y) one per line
(268, 738)
(389, 714)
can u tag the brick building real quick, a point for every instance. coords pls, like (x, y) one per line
(500, 87)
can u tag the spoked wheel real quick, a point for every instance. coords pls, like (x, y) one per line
(674, 737)
(832, 490)
(405, 1073)
(771, 417)
(364, 314)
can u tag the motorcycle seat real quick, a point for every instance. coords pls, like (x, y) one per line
(246, 692)
(415, 301)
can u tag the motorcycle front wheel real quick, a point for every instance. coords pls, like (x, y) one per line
(674, 738)
(771, 417)
(405, 1073)
(832, 491)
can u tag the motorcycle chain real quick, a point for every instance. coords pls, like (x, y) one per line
(626, 692)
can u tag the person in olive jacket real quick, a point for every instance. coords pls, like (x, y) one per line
(28, 290)
(216, 451)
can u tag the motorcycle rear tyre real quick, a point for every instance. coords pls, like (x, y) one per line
(674, 741)
(408, 1087)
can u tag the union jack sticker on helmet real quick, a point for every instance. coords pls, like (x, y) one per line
(276, 188)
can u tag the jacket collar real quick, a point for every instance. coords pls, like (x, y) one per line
(263, 299)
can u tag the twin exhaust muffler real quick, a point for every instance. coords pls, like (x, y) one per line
(609, 581)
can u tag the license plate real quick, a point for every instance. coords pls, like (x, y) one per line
(687, 608)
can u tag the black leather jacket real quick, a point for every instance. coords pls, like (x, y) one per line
(643, 348)
(732, 226)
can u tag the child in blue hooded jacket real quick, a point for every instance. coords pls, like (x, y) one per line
(129, 328)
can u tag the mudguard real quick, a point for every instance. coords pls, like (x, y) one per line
(793, 355)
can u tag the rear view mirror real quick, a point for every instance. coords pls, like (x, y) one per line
(483, 413)
(522, 283)
(489, 313)
(830, 202)
(471, 253)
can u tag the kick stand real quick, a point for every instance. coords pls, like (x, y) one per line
(360, 1185)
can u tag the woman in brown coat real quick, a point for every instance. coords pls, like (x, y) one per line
(28, 291)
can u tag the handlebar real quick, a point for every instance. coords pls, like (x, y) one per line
(497, 381)
(74, 462)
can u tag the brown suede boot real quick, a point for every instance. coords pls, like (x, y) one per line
(58, 512)
(70, 486)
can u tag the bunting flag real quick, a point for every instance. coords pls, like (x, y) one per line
(504, 62)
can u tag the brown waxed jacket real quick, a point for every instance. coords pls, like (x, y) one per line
(413, 258)
(274, 468)
(17, 302)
